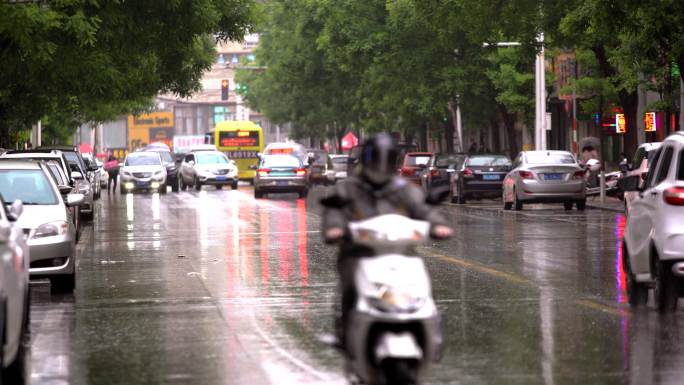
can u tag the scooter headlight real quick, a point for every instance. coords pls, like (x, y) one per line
(389, 299)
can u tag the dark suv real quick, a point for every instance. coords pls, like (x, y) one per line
(169, 162)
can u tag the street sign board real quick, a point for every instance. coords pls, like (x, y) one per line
(651, 122)
(620, 123)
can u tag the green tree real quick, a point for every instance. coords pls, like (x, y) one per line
(92, 60)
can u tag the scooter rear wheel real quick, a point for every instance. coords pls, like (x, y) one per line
(399, 372)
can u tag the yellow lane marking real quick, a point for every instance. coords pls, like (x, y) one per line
(474, 266)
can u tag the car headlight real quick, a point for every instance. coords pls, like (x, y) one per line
(51, 229)
(393, 300)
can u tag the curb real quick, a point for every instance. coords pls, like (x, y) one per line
(599, 207)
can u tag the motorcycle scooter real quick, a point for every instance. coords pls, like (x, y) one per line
(394, 330)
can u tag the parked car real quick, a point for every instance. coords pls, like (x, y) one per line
(545, 177)
(64, 189)
(339, 166)
(93, 172)
(653, 243)
(438, 171)
(169, 163)
(45, 220)
(14, 293)
(76, 179)
(207, 168)
(143, 171)
(77, 164)
(639, 167)
(318, 167)
(412, 164)
(479, 176)
(280, 174)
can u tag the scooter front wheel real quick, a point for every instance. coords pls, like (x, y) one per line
(400, 372)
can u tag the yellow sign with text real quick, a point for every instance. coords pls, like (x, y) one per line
(147, 128)
(620, 123)
(650, 122)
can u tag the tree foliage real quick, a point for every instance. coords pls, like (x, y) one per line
(94, 60)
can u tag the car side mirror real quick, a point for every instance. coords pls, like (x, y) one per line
(630, 183)
(191, 163)
(74, 200)
(15, 210)
(64, 190)
(76, 175)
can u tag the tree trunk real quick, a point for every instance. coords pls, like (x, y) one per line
(494, 127)
(509, 122)
(422, 136)
(449, 132)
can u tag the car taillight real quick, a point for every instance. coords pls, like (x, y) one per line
(674, 196)
(407, 171)
(526, 174)
(263, 171)
(578, 174)
(301, 172)
(468, 173)
(434, 172)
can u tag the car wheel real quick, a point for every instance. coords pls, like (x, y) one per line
(88, 216)
(568, 205)
(637, 292)
(162, 189)
(198, 185)
(666, 294)
(175, 187)
(581, 205)
(219, 187)
(304, 193)
(460, 199)
(517, 203)
(506, 205)
(122, 190)
(258, 194)
(234, 185)
(64, 283)
(77, 223)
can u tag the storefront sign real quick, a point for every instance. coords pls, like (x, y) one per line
(620, 123)
(651, 122)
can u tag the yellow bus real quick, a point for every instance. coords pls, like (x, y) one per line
(241, 141)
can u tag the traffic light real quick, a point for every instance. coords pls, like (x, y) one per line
(224, 89)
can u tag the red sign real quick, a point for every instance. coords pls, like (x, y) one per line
(620, 123)
(651, 122)
(349, 141)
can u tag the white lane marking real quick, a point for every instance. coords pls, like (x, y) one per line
(55, 365)
(294, 360)
(281, 232)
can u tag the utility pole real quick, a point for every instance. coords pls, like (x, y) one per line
(575, 149)
(540, 97)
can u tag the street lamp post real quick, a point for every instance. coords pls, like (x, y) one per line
(539, 91)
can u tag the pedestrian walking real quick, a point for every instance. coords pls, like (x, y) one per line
(112, 168)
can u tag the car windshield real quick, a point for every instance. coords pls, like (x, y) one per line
(280, 161)
(447, 160)
(142, 160)
(211, 158)
(415, 160)
(489, 160)
(32, 187)
(166, 156)
(549, 158)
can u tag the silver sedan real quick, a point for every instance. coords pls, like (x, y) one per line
(544, 177)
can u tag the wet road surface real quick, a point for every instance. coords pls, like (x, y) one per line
(215, 287)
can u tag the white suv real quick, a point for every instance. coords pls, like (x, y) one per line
(653, 245)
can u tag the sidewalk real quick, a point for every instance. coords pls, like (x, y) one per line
(610, 204)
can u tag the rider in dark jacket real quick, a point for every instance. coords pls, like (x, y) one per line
(373, 189)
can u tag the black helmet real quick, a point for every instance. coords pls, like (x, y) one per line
(378, 159)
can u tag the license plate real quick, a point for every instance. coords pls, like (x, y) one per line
(142, 184)
(282, 182)
(221, 177)
(553, 176)
(490, 177)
